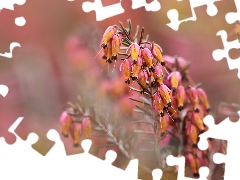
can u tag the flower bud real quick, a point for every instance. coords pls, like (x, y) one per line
(116, 43)
(198, 121)
(136, 69)
(127, 68)
(203, 98)
(193, 135)
(164, 92)
(142, 79)
(157, 54)
(159, 103)
(158, 75)
(107, 36)
(134, 52)
(76, 131)
(87, 127)
(192, 164)
(193, 96)
(148, 58)
(180, 97)
(66, 121)
(175, 78)
(164, 121)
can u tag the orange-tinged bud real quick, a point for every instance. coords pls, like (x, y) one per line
(107, 36)
(134, 52)
(142, 79)
(159, 103)
(175, 79)
(192, 94)
(164, 92)
(158, 75)
(157, 54)
(66, 121)
(198, 163)
(136, 69)
(192, 164)
(127, 68)
(76, 131)
(87, 127)
(198, 121)
(180, 97)
(148, 58)
(193, 135)
(163, 123)
(203, 98)
(116, 43)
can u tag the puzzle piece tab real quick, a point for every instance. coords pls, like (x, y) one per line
(226, 130)
(153, 6)
(173, 14)
(219, 54)
(103, 12)
(232, 17)
(180, 162)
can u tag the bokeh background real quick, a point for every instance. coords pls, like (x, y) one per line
(55, 62)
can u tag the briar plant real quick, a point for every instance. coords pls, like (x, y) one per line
(172, 105)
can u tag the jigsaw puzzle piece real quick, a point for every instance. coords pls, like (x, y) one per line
(101, 11)
(180, 162)
(10, 4)
(232, 17)
(153, 6)
(43, 145)
(58, 149)
(219, 54)
(173, 14)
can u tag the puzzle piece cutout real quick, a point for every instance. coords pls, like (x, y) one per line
(180, 162)
(232, 17)
(19, 21)
(226, 130)
(153, 6)
(56, 164)
(173, 14)
(9, 4)
(3, 90)
(219, 54)
(101, 11)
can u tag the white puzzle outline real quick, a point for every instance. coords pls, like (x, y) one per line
(53, 135)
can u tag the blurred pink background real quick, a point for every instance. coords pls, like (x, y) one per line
(54, 63)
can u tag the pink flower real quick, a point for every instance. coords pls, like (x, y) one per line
(107, 36)
(165, 93)
(65, 121)
(134, 52)
(203, 99)
(127, 68)
(76, 131)
(157, 54)
(180, 97)
(193, 96)
(87, 127)
(148, 58)
(175, 77)
(158, 75)
(116, 43)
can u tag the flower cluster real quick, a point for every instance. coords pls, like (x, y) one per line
(166, 82)
(76, 123)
